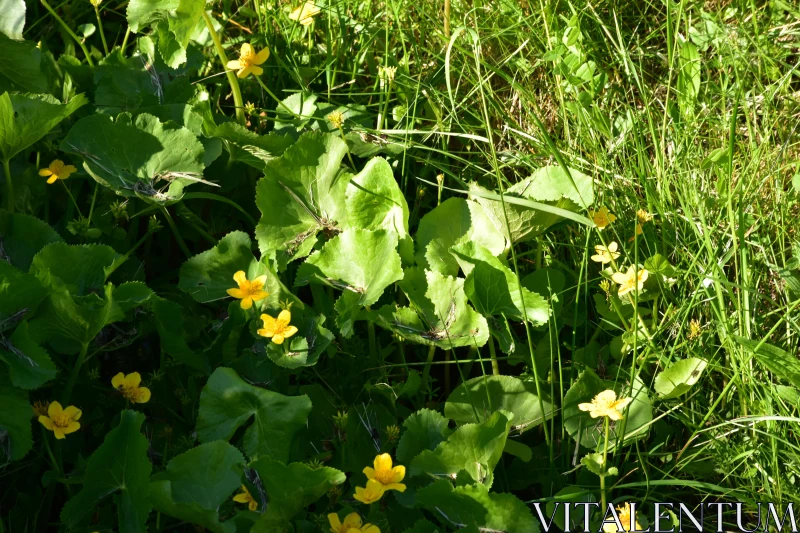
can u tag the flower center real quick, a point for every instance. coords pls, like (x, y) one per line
(61, 420)
(251, 287)
(132, 394)
(384, 476)
(246, 57)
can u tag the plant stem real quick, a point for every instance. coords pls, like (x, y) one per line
(125, 39)
(72, 198)
(232, 80)
(603, 477)
(174, 228)
(100, 27)
(69, 31)
(9, 186)
(493, 355)
(73, 376)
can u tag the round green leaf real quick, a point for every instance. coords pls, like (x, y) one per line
(679, 377)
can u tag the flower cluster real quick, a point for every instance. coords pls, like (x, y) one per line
(634, 277)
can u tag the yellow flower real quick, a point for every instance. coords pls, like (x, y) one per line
(246, 497)
(371, 493)
(643, 216)
(351, 524)
(57, 171)
(129, 387)
(631, 280)
(305, 13)
(277, 328)
(385, 474)
(248, 61)
(95, 3)
(625, 519)
(248, 291)
(605, 254)
(602, 218)
(606, 404)
(60, 421)
(40, 408)
(336, 118)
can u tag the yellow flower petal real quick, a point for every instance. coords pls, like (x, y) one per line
(133, 380)
(240, 278)
(72, 427)
(52, 179)
(352, 521)
(54, 410)
(278, 339)
(241, 498)
(262, 56)
(336, 524)
(59, 433)
(144, 395)
(118, 380)
(285, 316)
(369, 472)
(45, 172)
(289, 331)
(234, 64)
(46, 422)
(261, 280)
(72, 413)
(247, 302)
(236, 293)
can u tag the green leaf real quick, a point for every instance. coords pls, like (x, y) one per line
(291, 489)
(207, 276)
(228, 402)
(18, 292)
(168, 318)
(594, 462)
(301, 193)
(142, 156)
(15, 421)
(453, 222)
(483, 395)
(425, 430)
(12, 18)
(589, 431)
(20, 66)
(120, 467)
(295, 111)
(375, 201)
(249, 147)
(22, 236)
(493, 288)
(174, 20)
(360, 262)
(80, 268)
(439, 314)
(29, 364)
(476, 508)
(679, 377)
(780, 362)
(24, 119)
(422, 526)
(197, 482)
(475, 448)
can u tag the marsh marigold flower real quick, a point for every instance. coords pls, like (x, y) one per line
(336, 118)
(625, 518)
(602, 218)
(248, 291)
(248, 61)
(129, 387)
(61, 421)
(606, 404)
(632, 279)
(277, 328)
(371, 493)
(605, 254)
(305, 13)
(352, 524)
(246, 497)
(383, 472)
(57, 170)
(643, 216)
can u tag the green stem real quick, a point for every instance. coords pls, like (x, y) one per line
(174, 228)
(232, 80)
(603, 477)
(280, 103)
(72, 198)
(125, 39)
(73, 376)
(493, 355)
(9, 186)
(69, 31)
(100, 27)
